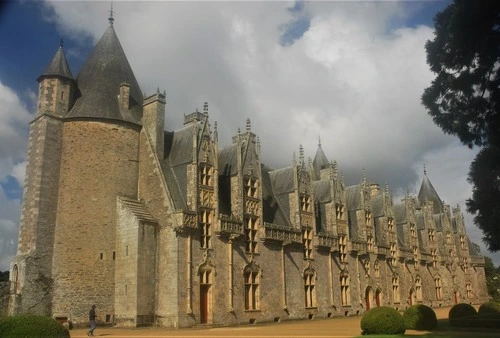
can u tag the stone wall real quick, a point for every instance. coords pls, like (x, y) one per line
(99, 162)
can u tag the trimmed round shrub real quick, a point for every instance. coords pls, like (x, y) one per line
(489, 308)
(32, 327)
(382, 320)
(462, 310)
(420, 317)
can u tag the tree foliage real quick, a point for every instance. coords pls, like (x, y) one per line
(492, 279)
(464, 98)
(484, 175)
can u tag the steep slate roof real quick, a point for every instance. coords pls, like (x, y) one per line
(427, 192)
(322, 191)
(401, 236)
(282, 180)
(437, 222)
(272, 208)
(419, 218)
(378, 207)
(99, 83)
(58, 66)
(400, 213)
(228, 162)
(353, 194)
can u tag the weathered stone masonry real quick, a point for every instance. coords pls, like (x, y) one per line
(165, 228)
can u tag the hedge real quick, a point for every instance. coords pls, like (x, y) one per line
(382, 320)
(30, 326)
(420, 317)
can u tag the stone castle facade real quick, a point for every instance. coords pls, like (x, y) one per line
(165, 228)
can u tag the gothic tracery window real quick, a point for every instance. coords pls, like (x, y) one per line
(439, 288)
(340, 211)
(305, 203)
(418, 288)
(343, 248)
(251, 234)
(344, 290)
(251, 185)
(206, 174)
(309, 288)
(206, 229)
(307, 236)
(251, 288)
(395, 289)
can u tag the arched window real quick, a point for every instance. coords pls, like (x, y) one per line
(206, 174)
(418, 288)
(439, 288)
(344, 289)
(251, 275)
(468, 288)
(309, 287)
(206, 228)
(251, 234)
(15, 279)
(307, 237)
(395, 289)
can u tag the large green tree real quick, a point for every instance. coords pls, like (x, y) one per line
(464, 98)
(492, 279)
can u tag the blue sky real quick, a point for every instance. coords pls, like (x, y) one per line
(350, 72)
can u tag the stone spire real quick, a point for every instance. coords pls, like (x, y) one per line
(111, 19)
(428, 193)
(58, 66)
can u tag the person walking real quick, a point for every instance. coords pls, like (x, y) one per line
(92, 316)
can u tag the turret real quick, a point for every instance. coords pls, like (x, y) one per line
(56, 86)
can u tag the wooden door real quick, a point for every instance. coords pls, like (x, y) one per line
(204, 303)
(368, 298)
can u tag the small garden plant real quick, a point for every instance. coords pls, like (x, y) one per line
(420, 317)
(31, 327)
(382, 320)
(489, 308)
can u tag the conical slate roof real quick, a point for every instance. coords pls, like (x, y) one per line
(320, 161)
(427, 192)
(58, 66)
(99, 83)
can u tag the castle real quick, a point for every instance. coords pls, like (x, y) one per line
(165, 228)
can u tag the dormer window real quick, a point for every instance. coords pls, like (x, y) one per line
(413, 230)
(340, 211)
(368, 218)
(462, 242)
(390, 224)
(206, 174)
(251, 185)
(305, 203)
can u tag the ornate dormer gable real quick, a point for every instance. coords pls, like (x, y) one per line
(304, 193)
(388, 203)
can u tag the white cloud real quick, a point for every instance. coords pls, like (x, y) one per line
(13, 142)
(351, 78)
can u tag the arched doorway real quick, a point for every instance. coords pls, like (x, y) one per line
(412, 297)
(378, 297)
(205, 294)
(369, 298)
